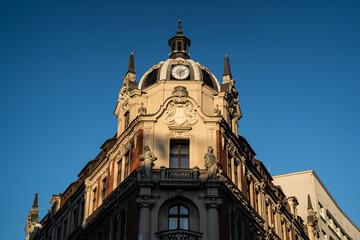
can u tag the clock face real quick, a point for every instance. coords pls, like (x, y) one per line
(180, 72)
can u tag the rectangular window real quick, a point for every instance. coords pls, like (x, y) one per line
(119, 171)
(94, 199)
(103, 193)
(127, 164)
(235, 174)
(127, 119)
(230, 158)
(179, 153)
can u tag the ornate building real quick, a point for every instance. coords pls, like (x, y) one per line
(176, 168)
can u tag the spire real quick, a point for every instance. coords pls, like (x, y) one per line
(179, 44)
(131, 66)
(309, 203)
(179, 27)
(35, 204)
(130, 78)
(227, 71)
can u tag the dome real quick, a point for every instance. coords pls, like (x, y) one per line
(162, 72)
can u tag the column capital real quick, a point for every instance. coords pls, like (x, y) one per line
(212, 202)
(145, 201)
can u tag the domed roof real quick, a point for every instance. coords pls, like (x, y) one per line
(162, 72)
(179, 55)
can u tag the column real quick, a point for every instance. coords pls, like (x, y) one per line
(212, 204)
(145, 201)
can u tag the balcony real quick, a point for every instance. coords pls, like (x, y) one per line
(178, 177)
(178, 235)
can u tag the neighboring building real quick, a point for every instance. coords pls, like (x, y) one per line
(176, 168)
(325, 219)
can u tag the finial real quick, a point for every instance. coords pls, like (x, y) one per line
(179, 27)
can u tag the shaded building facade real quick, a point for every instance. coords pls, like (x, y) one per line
(176, 168)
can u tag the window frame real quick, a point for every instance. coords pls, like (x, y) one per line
(179, 216)
(179, 143)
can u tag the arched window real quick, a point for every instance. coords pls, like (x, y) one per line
(178, 217)
(179, 46)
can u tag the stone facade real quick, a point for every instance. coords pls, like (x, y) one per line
(177, 167)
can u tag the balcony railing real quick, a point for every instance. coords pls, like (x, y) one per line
(179, 176)
(178, 235)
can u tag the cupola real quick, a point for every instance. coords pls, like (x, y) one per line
(179, 45)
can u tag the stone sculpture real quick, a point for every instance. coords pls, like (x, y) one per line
(148, 159)
(211, 163)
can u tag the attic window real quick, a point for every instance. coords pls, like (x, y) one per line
(207, 79)
(151, 78)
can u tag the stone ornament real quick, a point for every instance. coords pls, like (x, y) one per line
(142, 109)
(148, 159)
(212, 202)
(179, 134)
(211, 164)
(217, 111)
(180, 113)
(145, 201)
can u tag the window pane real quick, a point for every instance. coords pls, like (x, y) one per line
(183, 210)
(173, 223)
(174, 162)
(174, 149)
(184, 223)
(184, 149)
(173, 210)
(184, 162)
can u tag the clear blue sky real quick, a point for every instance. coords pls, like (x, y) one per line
(296, 66)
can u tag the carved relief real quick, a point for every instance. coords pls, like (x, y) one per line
(145, 201)
(180, 113)
(212, 202)
(180, 61)
(211, 131)
(148, 128)
(179, 134)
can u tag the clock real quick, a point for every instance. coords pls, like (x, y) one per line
(180, 72)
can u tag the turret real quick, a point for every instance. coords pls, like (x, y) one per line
(129, 81)
(179, 45)
(32, 219)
